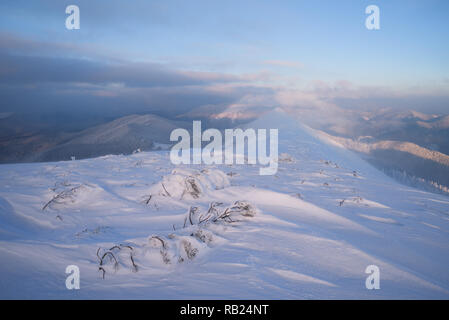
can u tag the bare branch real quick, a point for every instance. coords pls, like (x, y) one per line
(165, 189)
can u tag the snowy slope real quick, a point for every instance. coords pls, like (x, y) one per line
(213, 232)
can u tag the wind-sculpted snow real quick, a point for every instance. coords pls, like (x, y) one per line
(139, 227)
(197, 232)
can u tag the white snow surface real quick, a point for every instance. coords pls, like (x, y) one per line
(308, 232)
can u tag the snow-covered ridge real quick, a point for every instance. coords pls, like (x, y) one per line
(139, 227)
(407, 147)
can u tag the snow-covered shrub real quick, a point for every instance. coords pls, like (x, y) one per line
(188, 184)
(68, 196)
(117, 256)
(285, 157)
(182, 245)
(158, 242)
(204, 236)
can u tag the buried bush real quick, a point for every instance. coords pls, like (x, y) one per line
(110, 256)
(186, 184)
(183, 243)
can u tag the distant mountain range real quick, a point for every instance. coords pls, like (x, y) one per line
(402, 156)
(123, 135)
(427, 131)
(405, 141)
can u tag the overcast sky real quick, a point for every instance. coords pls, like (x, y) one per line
(175, 57)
